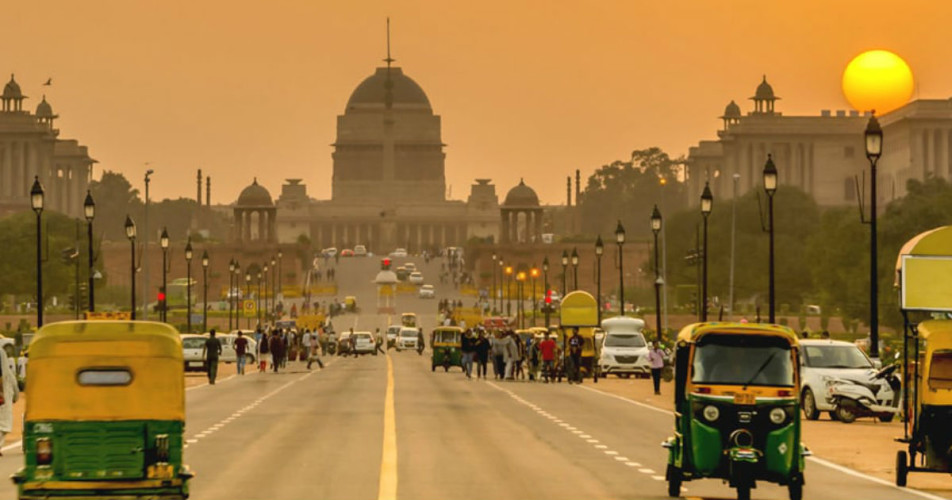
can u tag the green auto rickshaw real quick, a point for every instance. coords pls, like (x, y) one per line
(446, 343)
(737, 412)
(105, 413)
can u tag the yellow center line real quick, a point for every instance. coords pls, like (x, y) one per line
(388, 463)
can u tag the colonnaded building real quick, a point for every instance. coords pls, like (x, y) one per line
(30, 148)
(822, 154)
(388, 185)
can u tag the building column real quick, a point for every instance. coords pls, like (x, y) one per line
(504, 233)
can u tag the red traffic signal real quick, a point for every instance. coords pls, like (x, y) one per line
(548, 296)
(385, 264)
(161, 297)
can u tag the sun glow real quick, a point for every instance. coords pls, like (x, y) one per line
(877, 80)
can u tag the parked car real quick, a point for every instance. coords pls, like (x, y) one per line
(427, 292)
(624, 351)
(360, 251)
(228, 354)
(364, 343)
(823, 362)
(393, 331)
(400, 252)
(410, 266)
(346, 253)
(407, 338)
(192, 345)
(329, 252)
(416, 278)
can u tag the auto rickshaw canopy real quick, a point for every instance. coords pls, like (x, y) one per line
(936, 382)
(578, 308)
(924, 271)
(408, 319)
(692, 333)
(106, 371)
(447, 336)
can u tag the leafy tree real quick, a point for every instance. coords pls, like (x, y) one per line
(115, 198)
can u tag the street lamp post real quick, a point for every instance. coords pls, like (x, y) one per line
(656, 222)
(620, 239)
(501, 280)
(534, 273)
(874, 149)
(238, 302)
(144, 261)
(274, 288)
(248, 293)
(545, 291)
(493, 289)
(599, 250)
(520, 293)
(89, 210)
(770, 186)
(265, 272)
(258, 297)
(707, 203)
(280, 288)
(508, 271)
(188, 285)
(565, 265)
(131, 234)
(36, 201)
(205, 291)
(574, 269)
(229, 295)
(164, 243)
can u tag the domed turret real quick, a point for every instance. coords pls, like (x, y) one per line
(521, 196)
(764, 90)
(12, 96)
(732, 110)
(764, 98)
(254, 195)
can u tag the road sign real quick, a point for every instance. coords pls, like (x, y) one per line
(249, 307)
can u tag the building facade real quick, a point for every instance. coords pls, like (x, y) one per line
(30, 148)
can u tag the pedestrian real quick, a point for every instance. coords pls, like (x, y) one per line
(264, 352)
(481, 348)
(378, 342)
(420, 345)
(575, 353)
(241, 350)
(520, 356)
(510, 351)
(277, 349)
(11, 393)
(499, 355)
(656, 359)
(211, 351)
(466, 348)
(548, 350)
(313, 351)
(534, 358)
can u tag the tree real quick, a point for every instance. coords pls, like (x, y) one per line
(115, 198)
(18, 254)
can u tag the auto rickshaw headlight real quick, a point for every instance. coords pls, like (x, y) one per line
(44, 451)
(711, 413)
(778, 415)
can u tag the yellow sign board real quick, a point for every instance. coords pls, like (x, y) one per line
(249, 308)
(926, 283)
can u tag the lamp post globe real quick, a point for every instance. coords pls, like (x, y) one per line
(707, 204)
(770, 187)
(89, 211)
(130, 227)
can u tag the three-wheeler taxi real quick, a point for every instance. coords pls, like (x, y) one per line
(408, 320)
(579, 311)
(446, 343)
(105, 413)
(736, 408)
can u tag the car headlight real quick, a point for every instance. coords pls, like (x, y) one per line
(778, 415)
(711, 413)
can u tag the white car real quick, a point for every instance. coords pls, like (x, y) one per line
(410, 266)
(400, 252)
(393, 331)
(192, 345)
(427, 292)
(364, 343)
(330, 252)
(624, 351)
(228, 354)
(416, 278)
(407, 338)
(823, 360)
(360, 251)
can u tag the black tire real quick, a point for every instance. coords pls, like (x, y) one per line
(886, 417)
(845, 412)
(833, 416)
(446, 368)
(902, 468)
(674, 481)
(743, 493)
(796, 490)
(433, 368)
(808, 404)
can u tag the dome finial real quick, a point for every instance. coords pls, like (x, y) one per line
(255, 181)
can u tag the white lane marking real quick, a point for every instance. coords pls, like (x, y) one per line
(611, 452)
(632, 464)
(646, 471)
(601, 446)
(584, 436)
(191, 441)
(206, 384)
(621, 459)
(16, 444)
(658, 478)
(593, 441)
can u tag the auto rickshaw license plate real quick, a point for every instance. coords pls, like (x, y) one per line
(744, 398)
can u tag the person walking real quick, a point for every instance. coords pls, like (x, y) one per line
(11, 393)
(510, 352)
(533, 358)
(656, 359)
(420, 345)
(575, 353)
(211, 351)
(313, 350)
(241, 352)
(499, 355)
(264, 352)
(277, 349)
(378, 342)
(548, 349)
(466, 348)
(481, 349)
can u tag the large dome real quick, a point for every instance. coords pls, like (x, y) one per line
(372, 92)
(521, 196)
(255, 195)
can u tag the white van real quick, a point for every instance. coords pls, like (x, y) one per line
(624, 351)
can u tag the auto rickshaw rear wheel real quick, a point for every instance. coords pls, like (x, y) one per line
(743, 492)
(674, 481)
(795, 489)
(902, 468)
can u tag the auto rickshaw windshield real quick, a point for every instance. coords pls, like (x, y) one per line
(743, 360)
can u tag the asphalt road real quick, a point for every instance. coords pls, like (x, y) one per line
(386, 427)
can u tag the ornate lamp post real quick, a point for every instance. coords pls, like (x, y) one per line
(520, 293)
(89, 210)
(238, 302)
(501, 280)
(707, 203)
(574, 269)
(565, 265)
(188, 284)
(655, 229)
(274, 288)
(205, 291)
(248, 292)
(874, 150)
(620, 239)
(36, 201)
(258, 296)
(229, 295)
(770, 186)
(164, 244)
(599, 250)
(265, 272)
(131, 234)
(545, 291)
(534, 274)
(508, 271)
(280, 287)
(493, 289)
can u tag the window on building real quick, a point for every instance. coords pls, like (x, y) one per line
(848, 152)
(849, 189)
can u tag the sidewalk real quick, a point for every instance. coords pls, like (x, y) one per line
(866, 445)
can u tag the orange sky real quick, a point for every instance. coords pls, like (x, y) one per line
(530, 89)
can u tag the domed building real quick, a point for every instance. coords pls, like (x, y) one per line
(255, 215)
(521, 216)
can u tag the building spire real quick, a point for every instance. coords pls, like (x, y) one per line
(388, 99)
(389, 59)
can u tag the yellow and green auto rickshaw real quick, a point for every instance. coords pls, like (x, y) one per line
(579, 310)
(408, 320)
(446, 342)
(736, 408)
(105, 413)
(924, 277)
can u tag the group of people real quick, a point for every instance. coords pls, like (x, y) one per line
(512, 358)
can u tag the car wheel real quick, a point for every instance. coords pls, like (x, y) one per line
(809, 406)
(624, 375)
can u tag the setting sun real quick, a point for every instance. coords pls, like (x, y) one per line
(877, 80)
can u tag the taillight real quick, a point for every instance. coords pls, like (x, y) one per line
(162, 447)
(44, 451)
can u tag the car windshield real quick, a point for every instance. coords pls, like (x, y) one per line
(362, 336)
(193, 343)
(835, 356)
(741, 360)
(408, 333)
(624, 340)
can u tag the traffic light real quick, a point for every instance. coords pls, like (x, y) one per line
(160, 298)
(385, 264)
(548, 297)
